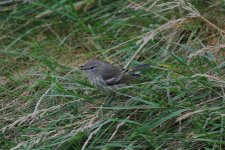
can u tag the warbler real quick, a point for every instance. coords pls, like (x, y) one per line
(108, 77)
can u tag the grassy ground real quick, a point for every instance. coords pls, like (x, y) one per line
(47, 103)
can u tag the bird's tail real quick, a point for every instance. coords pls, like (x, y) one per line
(136, 71)
(141, 67)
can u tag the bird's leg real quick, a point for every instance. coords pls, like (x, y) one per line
(110, 99)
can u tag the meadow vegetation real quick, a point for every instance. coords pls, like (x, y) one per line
(47, 103)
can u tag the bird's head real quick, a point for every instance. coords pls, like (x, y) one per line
(92, 67)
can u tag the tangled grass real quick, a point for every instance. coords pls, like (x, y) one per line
(46, 102)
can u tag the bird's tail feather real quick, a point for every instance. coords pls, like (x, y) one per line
(135, 71)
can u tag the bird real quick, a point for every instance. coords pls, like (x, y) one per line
(107, 77)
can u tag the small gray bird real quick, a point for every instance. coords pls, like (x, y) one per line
(106, 76)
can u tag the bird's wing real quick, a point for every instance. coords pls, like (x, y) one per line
(114, 79)
(112, 74)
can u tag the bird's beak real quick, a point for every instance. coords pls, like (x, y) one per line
(85, 67)
(81, 67)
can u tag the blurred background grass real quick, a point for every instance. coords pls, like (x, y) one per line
(46, 102)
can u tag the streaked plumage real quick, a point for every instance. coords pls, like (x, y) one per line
(107, 77)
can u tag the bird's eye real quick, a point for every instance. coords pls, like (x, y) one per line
(86, 68)
(92, 67)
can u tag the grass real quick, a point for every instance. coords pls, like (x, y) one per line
(47, 103)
